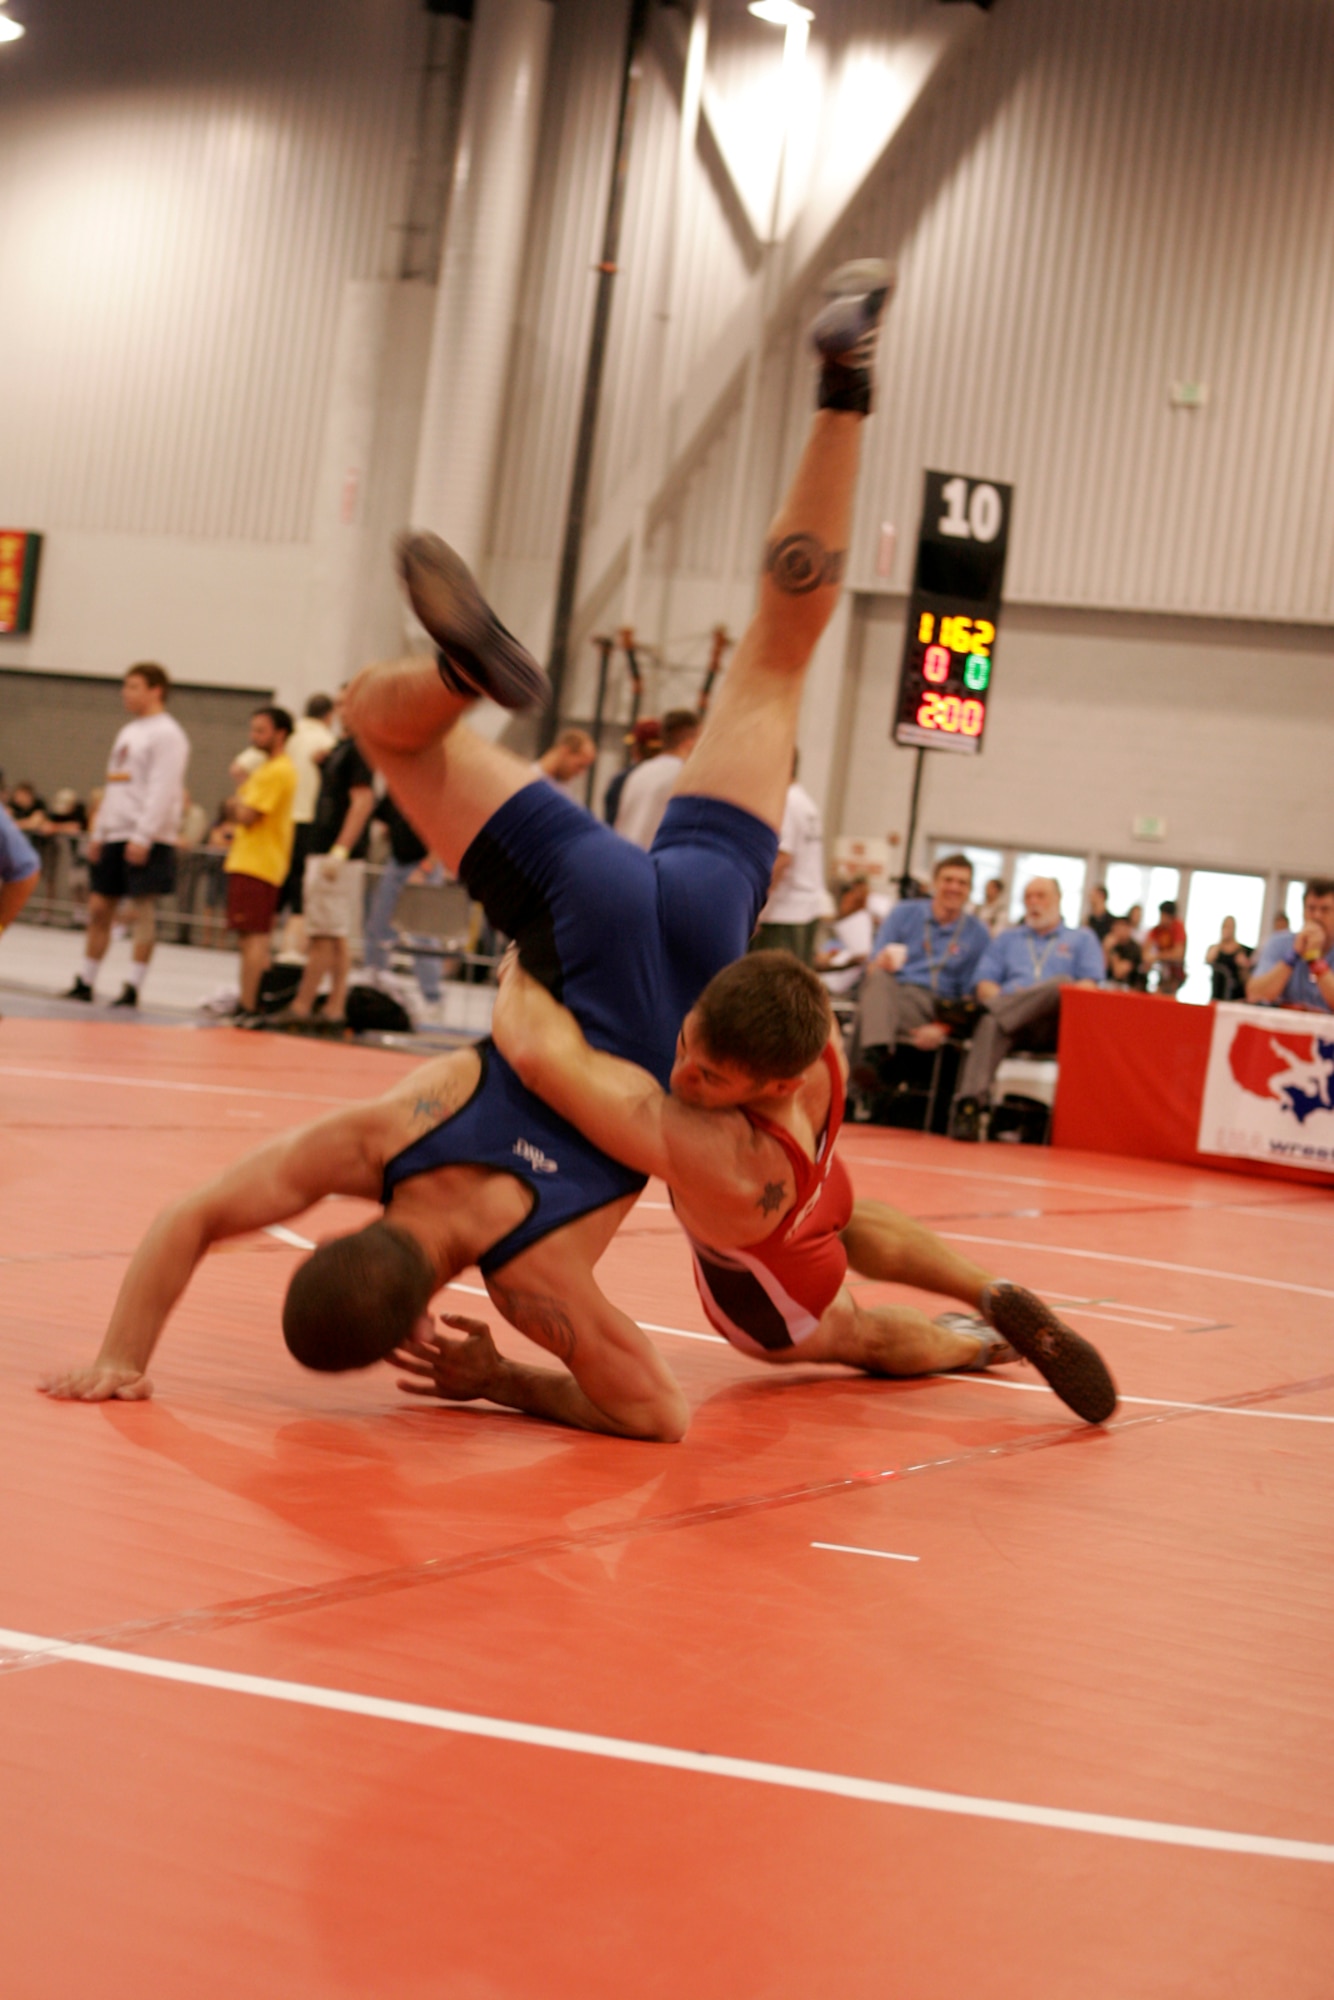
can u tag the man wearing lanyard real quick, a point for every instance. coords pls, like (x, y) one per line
(1019, 985)
(925, 955)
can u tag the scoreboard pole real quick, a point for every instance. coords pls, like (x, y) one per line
(907, 878)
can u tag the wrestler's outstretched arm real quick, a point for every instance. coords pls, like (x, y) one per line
(279, 1180)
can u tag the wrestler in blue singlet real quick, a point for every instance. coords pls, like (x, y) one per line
(627, 941)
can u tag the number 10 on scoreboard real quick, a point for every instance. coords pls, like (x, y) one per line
(953, 614)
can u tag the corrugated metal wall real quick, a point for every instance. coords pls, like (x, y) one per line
(1114, 197)
(183, 194)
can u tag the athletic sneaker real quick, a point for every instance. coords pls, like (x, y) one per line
(476, 654)
(994, 1352)
(1073, 1366)
(127, 997)
(80, 990)
(845, 333)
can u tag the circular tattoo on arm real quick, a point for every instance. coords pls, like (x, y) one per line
(801, 563)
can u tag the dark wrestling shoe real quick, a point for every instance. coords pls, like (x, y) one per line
(127, 997)
(994, 1352)
(80, 990)
(1073, 1367)
(966, 1120)
(476, 654)
(845, 332)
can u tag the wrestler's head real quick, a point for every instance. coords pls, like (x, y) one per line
(356, 1299)
(755, 1030)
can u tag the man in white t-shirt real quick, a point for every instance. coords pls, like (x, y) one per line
(308, 746)
(843, 961)
(797, 898)
(132, 840)
(646, 791)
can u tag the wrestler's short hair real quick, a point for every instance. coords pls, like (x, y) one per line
(768, 1014)
(357, 1298)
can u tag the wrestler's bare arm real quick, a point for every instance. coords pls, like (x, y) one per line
(708, 1158)
(339, 1154)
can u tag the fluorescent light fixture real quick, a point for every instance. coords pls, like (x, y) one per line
(10, 30)
(780, 13)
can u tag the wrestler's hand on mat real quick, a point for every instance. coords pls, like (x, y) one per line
(103, 1382)
(458, 1371)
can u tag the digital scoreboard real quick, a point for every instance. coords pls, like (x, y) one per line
(953, 614)
(20, 553)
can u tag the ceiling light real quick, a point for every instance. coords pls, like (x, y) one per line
(780, 13)
(9, 30)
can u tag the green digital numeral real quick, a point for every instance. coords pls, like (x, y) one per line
(977, 672)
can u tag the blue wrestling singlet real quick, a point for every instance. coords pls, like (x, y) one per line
(505, 1127)
(627, 940)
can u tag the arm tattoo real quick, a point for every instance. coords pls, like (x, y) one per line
(801, 563)
(772, 1198)
(431, 1109)
(541, 1317)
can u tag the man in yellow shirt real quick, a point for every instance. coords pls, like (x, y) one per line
(261, 850)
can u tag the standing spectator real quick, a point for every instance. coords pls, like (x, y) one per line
(1125, 959)
(1099, 919)
(309, 745)
(1295, 971)
(843, 959)
(261, 850)
(643, 742)
(993, 911)
(331, 890)
(1135, 918)
(1165, 948)
(925, 956)
(1229, 962)
(790, 918)
(132, 846)
(19, 870)
(26, 809)
(646, 792)
(409, 862)
(1019, 984)
(568, 758)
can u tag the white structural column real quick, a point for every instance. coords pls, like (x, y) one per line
(479, 284)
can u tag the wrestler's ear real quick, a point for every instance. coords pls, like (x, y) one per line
(784, 1086)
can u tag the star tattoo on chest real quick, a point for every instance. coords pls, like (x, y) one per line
(772, 1198)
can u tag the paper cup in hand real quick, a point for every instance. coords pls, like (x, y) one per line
(895, 957)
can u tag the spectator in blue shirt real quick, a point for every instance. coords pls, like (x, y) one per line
(1295, 971)
(925, 954)
(1019, 984)
(19, 870)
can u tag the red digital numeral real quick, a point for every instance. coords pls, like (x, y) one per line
(936, 665)
(950, 715)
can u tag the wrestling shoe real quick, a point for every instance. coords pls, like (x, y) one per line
(127, 997)
(994, 1352)
(845, 332)
(476, 654)
(1073, 1367)
(80, 990)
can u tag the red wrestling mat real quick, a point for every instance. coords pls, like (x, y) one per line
(866, 1689)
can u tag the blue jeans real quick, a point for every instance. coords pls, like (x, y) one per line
(379, 927)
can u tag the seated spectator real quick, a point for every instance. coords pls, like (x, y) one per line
(1135, 918)
(994, 909)
(1125, 959)
(1295, 971)
(1229, 963)
(643, 742)
(1019, 985)
(1280, 922)
(841, 962)
(1165, 951)
(1099, 919)
(26, 809)
(924, 961)
(646, 791)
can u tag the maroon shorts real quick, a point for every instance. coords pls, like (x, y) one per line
(251, 905)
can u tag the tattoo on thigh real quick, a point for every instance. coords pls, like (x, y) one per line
(772, 1198)
(542, 1318)
(801, 563)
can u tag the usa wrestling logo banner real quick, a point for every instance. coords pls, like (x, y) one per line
(1269, 1087)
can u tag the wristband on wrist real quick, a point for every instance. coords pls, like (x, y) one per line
(1319, 966)
(338, 853)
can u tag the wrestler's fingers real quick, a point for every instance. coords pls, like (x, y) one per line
(466, 1325)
